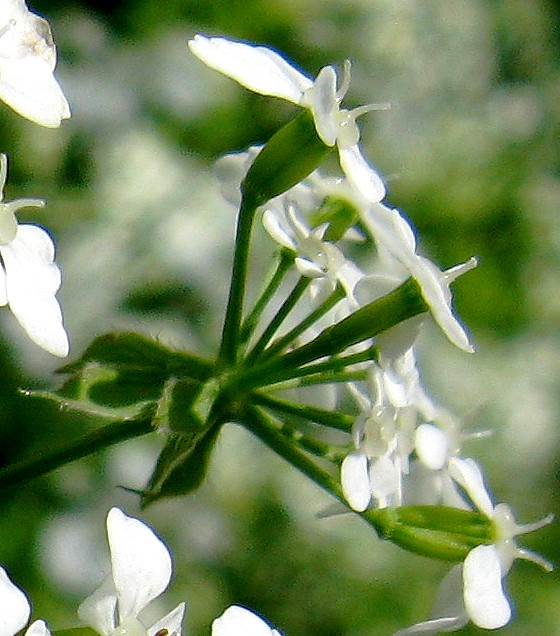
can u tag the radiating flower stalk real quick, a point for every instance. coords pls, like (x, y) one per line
(325, 318)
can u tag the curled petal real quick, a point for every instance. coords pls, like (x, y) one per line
(256, 67)
(141, 563)
(485, 600)
(14, 606)
(467, 473)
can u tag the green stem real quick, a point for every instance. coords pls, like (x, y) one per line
(312, 319)
(262, 426)
(87, 445)
(380, 315)
(312, 445)
(320, 378)
(284, 263)
(281, 315)
(330, 419)
(234, 310)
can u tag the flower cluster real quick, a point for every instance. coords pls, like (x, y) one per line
(405, 448)
(141, 570)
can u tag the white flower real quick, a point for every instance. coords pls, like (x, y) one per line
(383, 434)
(140, 572)
(266, 72)
(315, 258)
(29, 278)
(27, 61)
(238, 621)
(474, 590)
(15, 610)
(395, 238)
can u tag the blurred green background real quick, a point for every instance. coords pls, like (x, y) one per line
(470, 148)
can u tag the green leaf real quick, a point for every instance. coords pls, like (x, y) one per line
(118, 374)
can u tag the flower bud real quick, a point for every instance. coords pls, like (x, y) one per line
(438, 532)
(290, 155)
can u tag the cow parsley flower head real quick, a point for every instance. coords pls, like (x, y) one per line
(29, 277)
(266, 72)
(140, 572)
(27, 61)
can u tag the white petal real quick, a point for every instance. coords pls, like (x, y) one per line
(436, 293)
(100, 608)
(238, 621)
(308, 268)
(14, 606)
(32, 281)
(383, 477)
(38, 628)
(321, 99)
(141, 563)
(485, 600)
(354, 480)
(431, 445)
(361, 175)
(273, 225)
(28, 86)
(256, 67)
(466, 472)
(172, 622)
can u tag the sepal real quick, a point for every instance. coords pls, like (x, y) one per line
(118, 374)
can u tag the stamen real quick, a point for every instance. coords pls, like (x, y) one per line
(453, 273)
(368, 108)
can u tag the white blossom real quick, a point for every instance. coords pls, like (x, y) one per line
(238, 621)
(383, 434)
(395, 237)
(15, 610)
(140, 572)
(474, 591)
(29, 277)
(266, 72)
(316, 258)
(27, 61)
